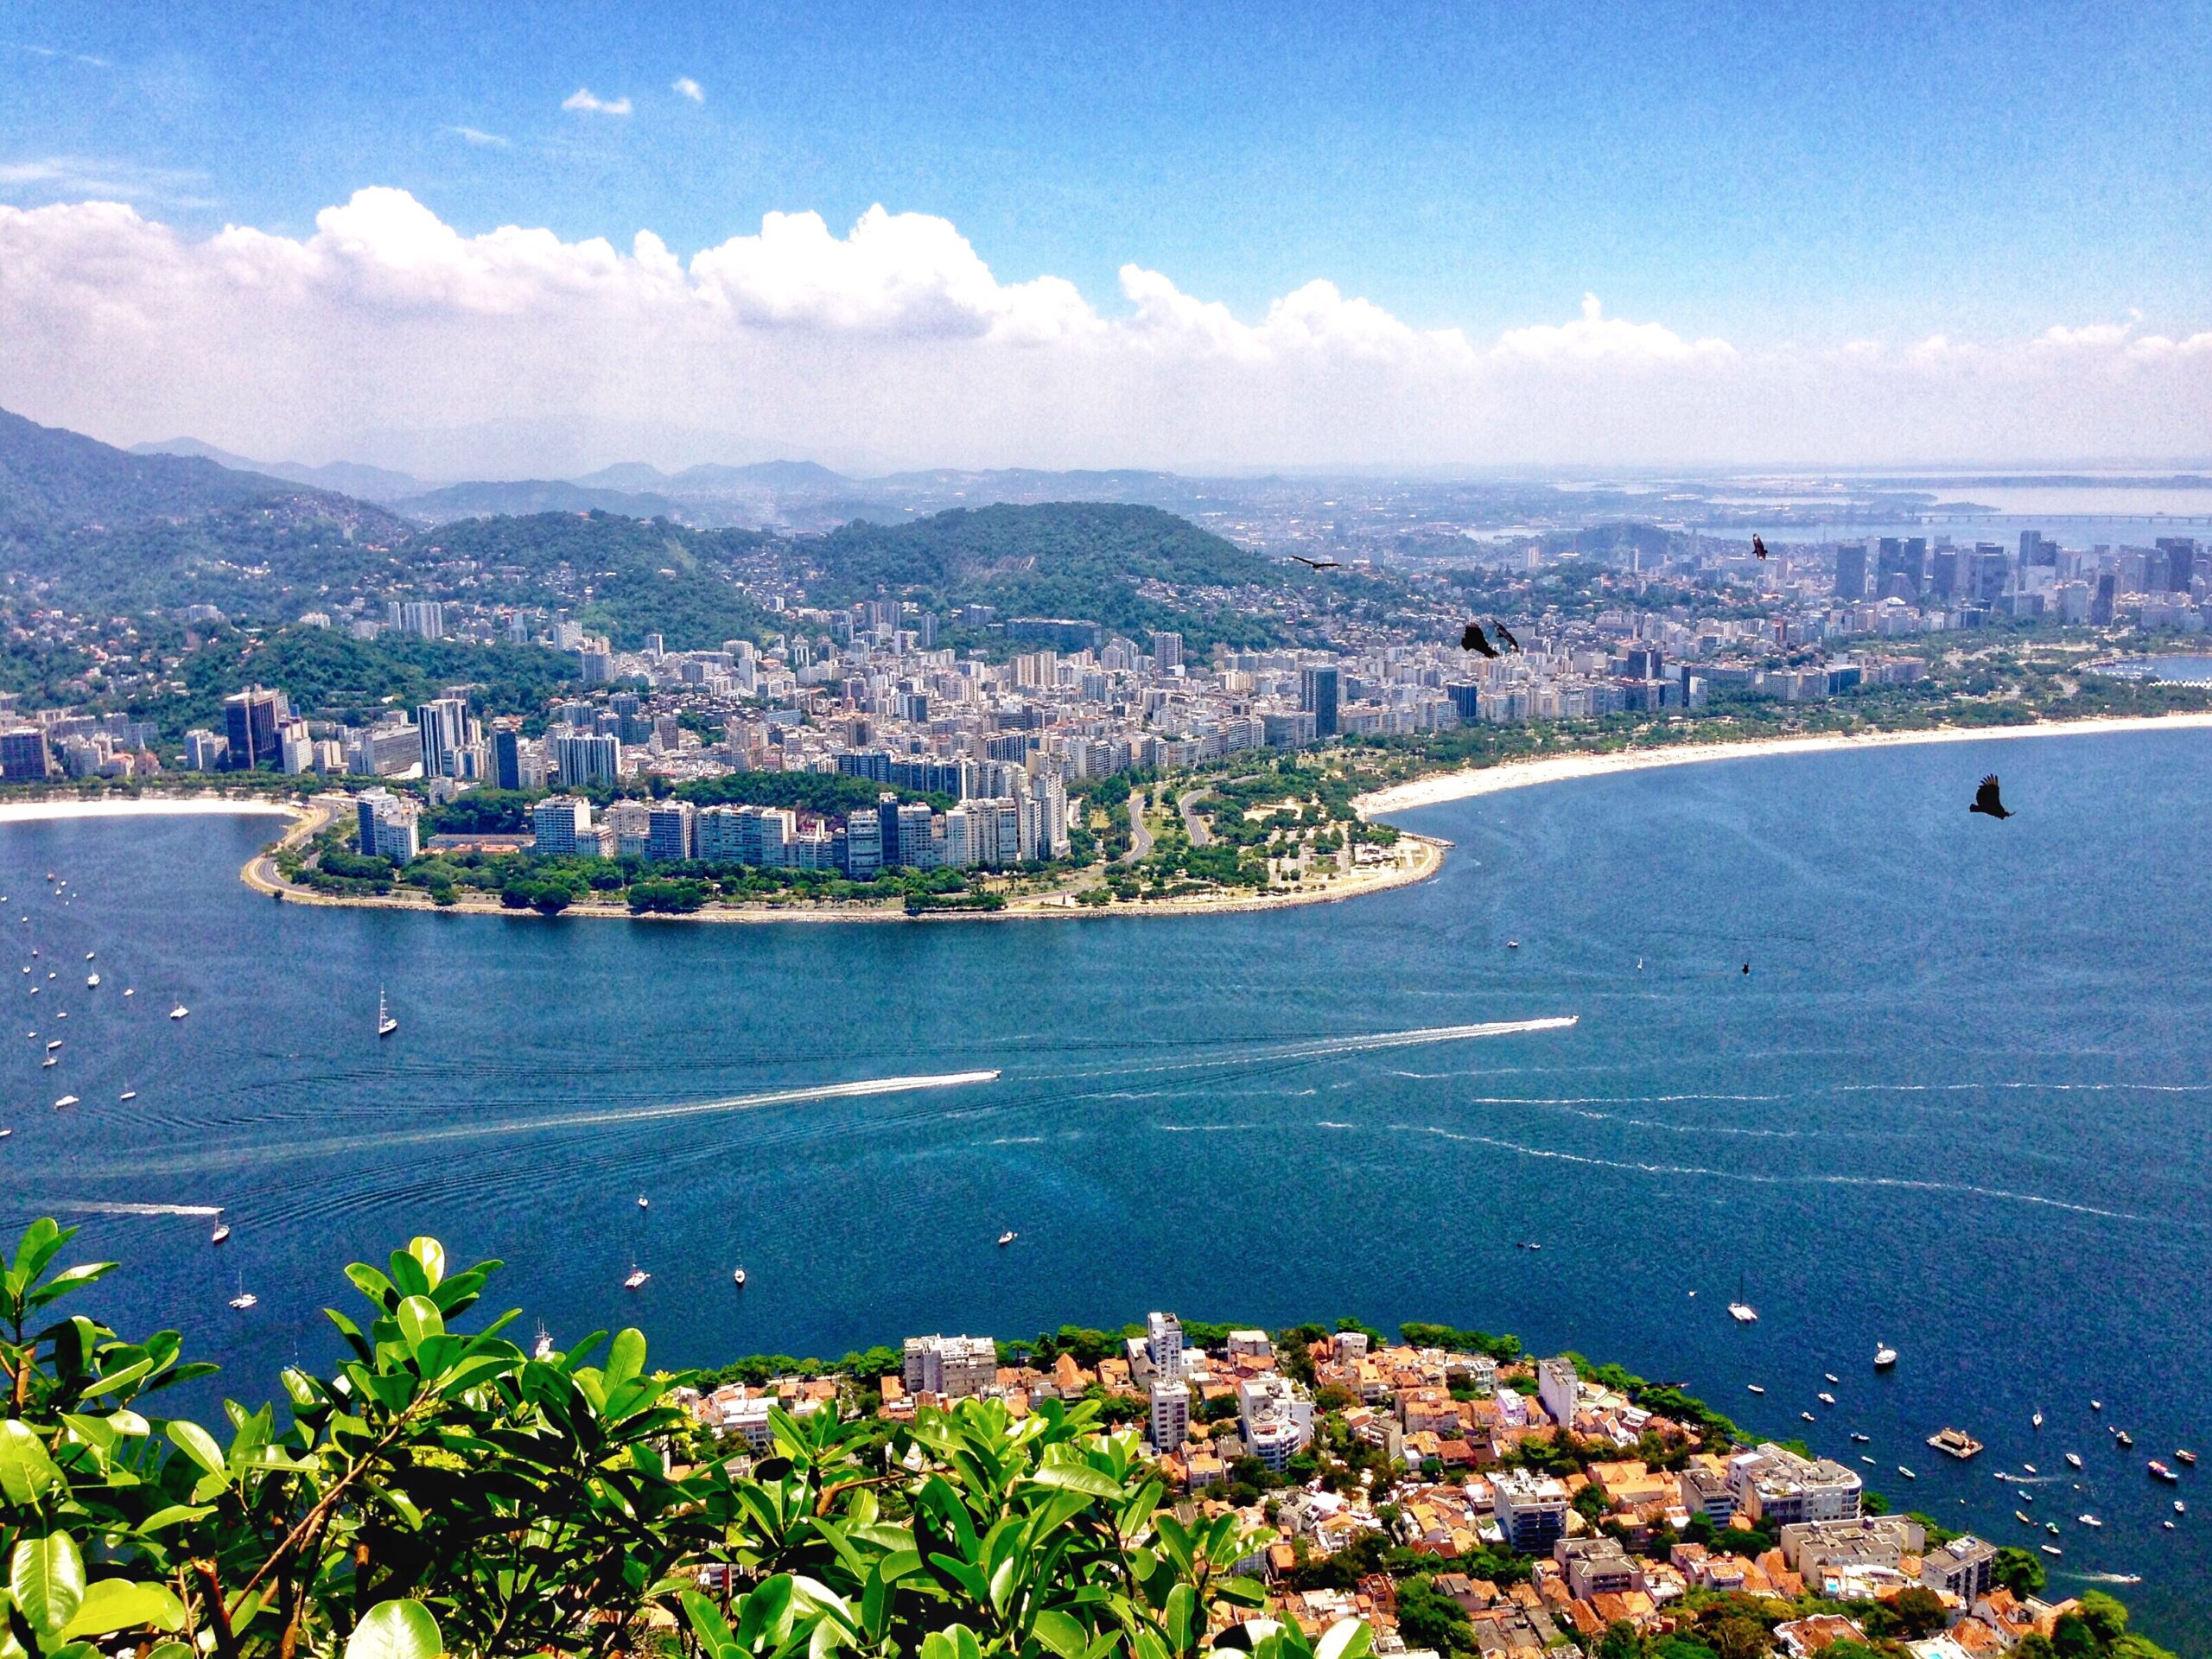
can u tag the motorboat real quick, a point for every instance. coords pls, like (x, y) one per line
(2160, 1471)
(65, 1101)
(2036, 1422)
(128, 991)
(1906, 1472)
(2052, 1549)
(1861, 1439)
(1885, 1356)
(2096, 1405)
(1754, 1388)
(1869, 1462)
(2026, 1520)
(2183, 1455)
(2090, 1521)
(1808, 1417)
(2030, 1468)
(2180, 1508)
(1832, 1379)
(2074, 1459)
(128, 1094)
(1825, 1397)
(2051, 1526)
(89, 955)
(2125, 1438)
(644, 1203)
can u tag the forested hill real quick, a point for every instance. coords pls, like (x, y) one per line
(1090, 559)
(51, 478)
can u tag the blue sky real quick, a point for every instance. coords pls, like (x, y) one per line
(1114, 234)
(1751, 170)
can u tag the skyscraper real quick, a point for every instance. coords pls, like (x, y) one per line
(251, 718)
(1851, 571)
(2181, 562)
(1317, 696)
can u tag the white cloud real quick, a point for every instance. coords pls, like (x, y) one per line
(685, 87)
(478, 136)
(57, 55)
(121, 180)
(584, 101)
(896, 337)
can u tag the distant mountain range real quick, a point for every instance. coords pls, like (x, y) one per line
(378, 484)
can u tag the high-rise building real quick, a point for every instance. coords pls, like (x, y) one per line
(863, 846)
(1317, 696)
(2101, 607)
(584, 758)
(203, 751)
(1163, 1344)
(1943, 573)
(23, 753)
(424, 618)
(1530, 1508)
(1993, 569)
(507, 754)
(445, 730)
(2181, 562)
(1169, 1424)
(951, 1367)
(387, 825)
(1166, 650)
(560, 823)
(1851, 571)
(251, 718)
(669, 832)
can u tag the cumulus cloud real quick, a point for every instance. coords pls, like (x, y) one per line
(685, 87)
(585, 101)
(896, 338)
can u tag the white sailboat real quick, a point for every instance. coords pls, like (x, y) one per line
(1739, 1310)
(385, 1024)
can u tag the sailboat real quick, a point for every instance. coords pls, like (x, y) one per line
(542, 1347)
(245, 1298)
(222, 1231)
(738, 1278)
(1885, 1356)
(637, 1279)
(385, 1024)
(1739, 1310)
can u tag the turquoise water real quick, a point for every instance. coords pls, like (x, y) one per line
(1957, 1105)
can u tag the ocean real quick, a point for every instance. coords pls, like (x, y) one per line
(1958, 1105)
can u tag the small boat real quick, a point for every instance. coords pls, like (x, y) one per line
(1754, 1388)
(2180, 1508)
(2125, 1438)
(2052, 1549)
(1533, 1245)
(65, 1100)
(2183, 1454)
(128, 991)
(2090, 1520)
(644, 1203)
(178, 1012)
(244, 1300)
(2036, 1422)
(1832, 1379)
(1007, 1237)
(2126, 1577)
(738, 1278)
(1808, 1417)
(1884, 1356)
(637, 1279)
(1906, 1472)
(2096, 1405)
(2026, 1520)
(1743, 1313)
(2160, 1471)
(2074, 1459)
(2030, 1468)
(89, 955)
(128, 1094)
(55, 1044)
(61, 1013)
(542, 1347)
(5, 1133)
(2168, 1525)
(1869, 1462)
(1825, 1397)
(1512, 944)
(1861, 1439)
(222, 1231)
(50, 1060)
(91, 982)
(2051, 1526)
(385, 1024)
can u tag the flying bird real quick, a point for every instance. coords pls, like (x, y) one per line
(1318, 564)
(1475, 640)
(1758, 546)
(1986, 799)
(1504, 634)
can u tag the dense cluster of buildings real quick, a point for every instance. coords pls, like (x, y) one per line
(1611, 1541)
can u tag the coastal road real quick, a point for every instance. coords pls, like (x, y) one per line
(1140, 836)
(1195, 826)
(261, 873)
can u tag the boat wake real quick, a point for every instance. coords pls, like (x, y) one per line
(1757, 1179)
(95, 1207)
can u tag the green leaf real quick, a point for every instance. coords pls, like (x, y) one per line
(432, 1256)
(419, 1320)
(46, 1577)
(1348, 1638)
(27, 1474)
(1060, 1633)
(396, 1630)
(119, 1604)
(1077, 1477)
(626, 1359)
(197, 1444)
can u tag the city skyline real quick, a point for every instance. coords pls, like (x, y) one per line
(1409, 241)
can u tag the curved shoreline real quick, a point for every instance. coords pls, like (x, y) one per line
(259, 872)
(1565, 768)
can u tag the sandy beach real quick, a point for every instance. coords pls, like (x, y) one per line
(1525, 774)
(152, 806)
